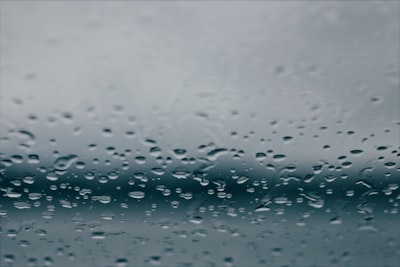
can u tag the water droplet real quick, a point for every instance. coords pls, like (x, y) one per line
(228, 261)
(9, 258)
(175, 204)
(51, 176)
(242, 179)
(107, 132)
(261, 156)
(381, 148)
(279, 157)
(121, 262)
(215, 153)
(28, 136)
(196, 219)
(140, 160)
(155, 151)
(276, 251)
(12, 193)
(67, 117)
(102, 199)
(158, 171)
(155, 260)
(89, 175)
(262, 208)
(281, 200)
(179, 153)
(63, 163)
(150, 142)
(17, 159)
(33, 159)
(390, 164)
(28, 179)
(34, 196)
(137, 194)
(376, 100)
(180, 173)
(22, 205)
(98, 235)
(130, 134)
(287, 139)
(335, 220)
(356, 152)
(107, 216)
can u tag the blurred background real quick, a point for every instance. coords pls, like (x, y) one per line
(199, 133)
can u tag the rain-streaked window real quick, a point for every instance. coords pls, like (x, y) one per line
(199, 133)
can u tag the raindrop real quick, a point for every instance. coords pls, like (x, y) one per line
(51, 176)
(175, 204)
(158, 171)
(279, 157)
(155, 151)
(34, 196)
(242, 179)
(137, 194)
(80, 165)
(196, 220)
(102, 199)
(287, 139)
(335, 220)
(22, 205)
(89, 175)
(107, 132)
(33, 159)
(390, 164)
(356, 152)
(228, 261)
(179, 153)
(121, 262)
(9, 258)
(63, 163)
(180, 173)
(155, 260)
(261, 156)
(129, 134)
(376, 100)
(28, 179)
(140, 160)
(215, 153)
(17, 159)
(98, 235)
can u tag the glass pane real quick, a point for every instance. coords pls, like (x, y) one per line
(199, 133)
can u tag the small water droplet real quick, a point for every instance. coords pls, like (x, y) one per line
(51, 176)
(180, 173)
(228, 261)
(121, 262)
(63, 163)
(107, 132)
(215, 153)
(335, 220)
(242, 179)
(356, 152)
(155, 260)
(98, 235)
(261, 156)
(102, 199)
(279, 157)
(137, 194)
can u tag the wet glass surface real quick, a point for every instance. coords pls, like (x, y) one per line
(199, 133)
